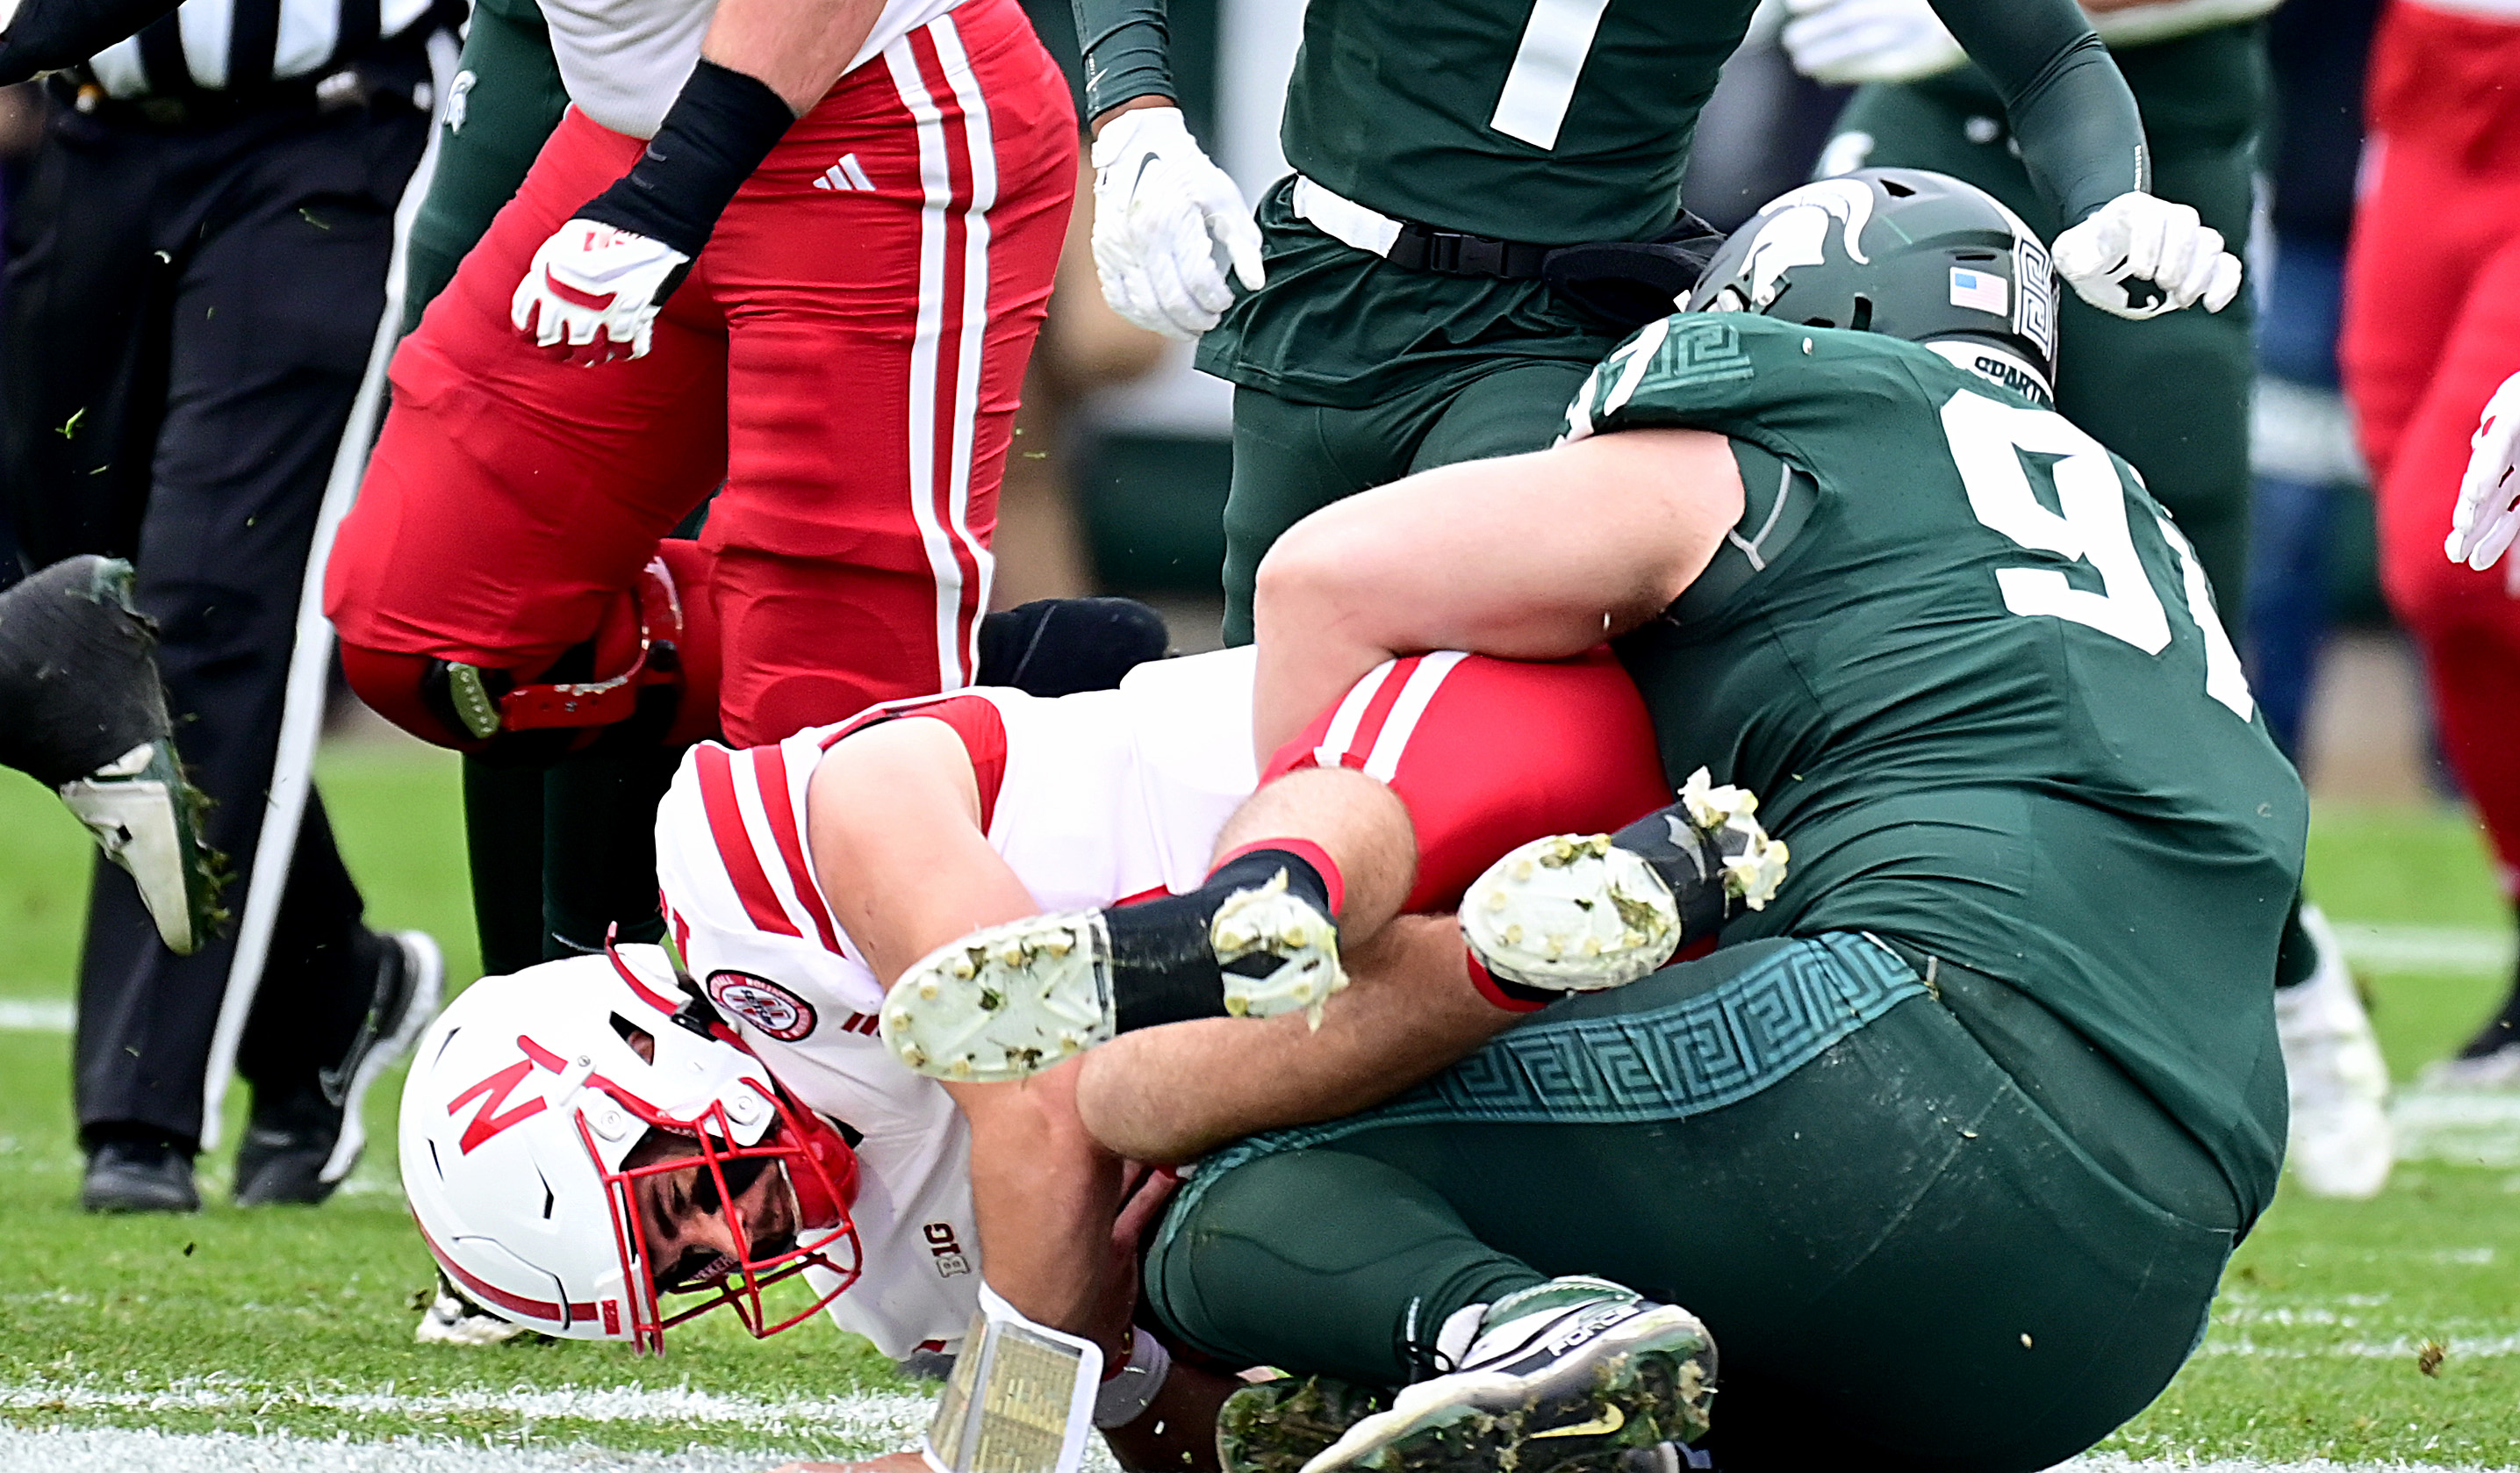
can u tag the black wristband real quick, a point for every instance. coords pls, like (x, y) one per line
(716, 134)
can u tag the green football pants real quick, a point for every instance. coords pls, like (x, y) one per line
(1929, 1227)
(509, 98)
(1291, 459)
(557, 856)
(2171, 396)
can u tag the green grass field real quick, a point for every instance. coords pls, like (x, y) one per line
(299, 1321)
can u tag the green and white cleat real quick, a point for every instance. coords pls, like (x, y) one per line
(82, 712)
(1279, 1426)
(1571, 1374)
(1582, 913)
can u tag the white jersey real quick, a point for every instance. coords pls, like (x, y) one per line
(1104, 796)
(623, 61)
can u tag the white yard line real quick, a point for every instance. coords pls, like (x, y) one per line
(35, 1015)
(876, 1419)
(2466, 950)
(107, 1450)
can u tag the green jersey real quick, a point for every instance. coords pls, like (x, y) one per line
(1974, 672)
(1547, 122)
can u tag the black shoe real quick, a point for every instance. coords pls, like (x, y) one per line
(300, 1143)
(1059, 647)
(82, 712)
(139, 1172)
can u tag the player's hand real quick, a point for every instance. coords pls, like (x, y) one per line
(2140, 255)
(592, 291)
(1842, 42)
(1162, 215)
(2487, 516)
(890, 1462)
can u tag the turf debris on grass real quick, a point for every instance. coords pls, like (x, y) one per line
(266, 1338)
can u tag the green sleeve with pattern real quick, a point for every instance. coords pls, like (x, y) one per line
(2080, 134)
(1128, 52)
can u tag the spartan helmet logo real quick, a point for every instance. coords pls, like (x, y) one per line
(1793, 230)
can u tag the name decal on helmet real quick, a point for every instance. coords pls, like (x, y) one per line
(494, 1090)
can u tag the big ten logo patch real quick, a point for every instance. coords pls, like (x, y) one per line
(946, 1249)
(762, 1003)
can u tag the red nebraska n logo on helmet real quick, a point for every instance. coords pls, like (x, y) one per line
(486, 1122)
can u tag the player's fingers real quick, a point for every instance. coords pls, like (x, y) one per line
(2489, 547)
(2148, 238)
(1240, 237)
(2224, 288)
(2184, 250)
(1172, 296)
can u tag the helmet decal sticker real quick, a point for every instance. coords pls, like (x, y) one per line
(762, 1003)
(1793, 230)
(493, 1093)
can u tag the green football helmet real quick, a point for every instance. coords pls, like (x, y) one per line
(1906, 252)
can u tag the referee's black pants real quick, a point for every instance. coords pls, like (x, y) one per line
(188, 310)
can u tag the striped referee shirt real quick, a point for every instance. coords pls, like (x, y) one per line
(239, 45)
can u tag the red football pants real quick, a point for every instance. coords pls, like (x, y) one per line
(2432, 326)
(846, 356)
(1489, 753)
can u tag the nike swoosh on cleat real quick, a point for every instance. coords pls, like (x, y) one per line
(1610, 1421)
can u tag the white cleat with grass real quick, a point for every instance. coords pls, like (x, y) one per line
(1581, 913)
(1009, 1000)
(2339, 1143)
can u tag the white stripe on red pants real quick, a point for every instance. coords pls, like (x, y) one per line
(845, 360)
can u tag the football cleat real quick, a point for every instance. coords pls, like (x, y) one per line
(2488, 1061)
(81, 711)
(1580, 912)
(1279, 1426)
(2496, 1069)
(451, 1318)
(302, 1141)
(147, 819)
(1009, 1000)
(1568, 1374)
(2339, 1142)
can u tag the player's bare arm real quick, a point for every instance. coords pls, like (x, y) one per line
(1533, 556)
(894, 812)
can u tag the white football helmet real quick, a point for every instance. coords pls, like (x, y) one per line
(524, 1098)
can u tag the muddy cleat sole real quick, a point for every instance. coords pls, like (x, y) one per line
(1572, 914)
(1277, 954)
(1610, 1377)
(1279, 1426)
(1009, 1000)
(147, 819)
(1581, 913)
(1006, 1002)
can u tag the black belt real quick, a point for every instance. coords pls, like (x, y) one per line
(1454, 253)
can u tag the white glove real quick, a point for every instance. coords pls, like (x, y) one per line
(2488, 515)
(2140, 255)
(590, 277)
(1162, 211)
(1842, 42)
